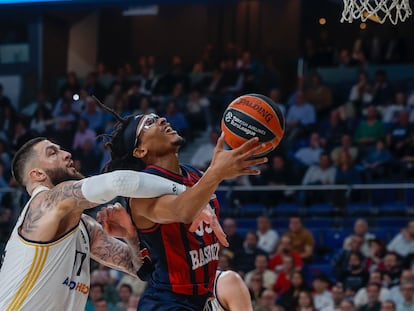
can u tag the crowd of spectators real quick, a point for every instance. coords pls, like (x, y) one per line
(365, 136)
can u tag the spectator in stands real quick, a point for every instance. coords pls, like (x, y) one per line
(403, 242)
(399, 133)
(41, 101)
(256, 287)
(310, 155)
(234, 239)
(322, 297)
(8, 118)
(361, 297)
(320, 95)
(133, 303)
(284, 277)
(20, 135)
(346, 145)
(96, 297)
(347, 305)
(322, 174)
(94, 116)
(370, 130)
(198, 111)
(407, 289)
(284, 247)
(360, 230)
(305, 302)
(392, 269)
(274, 94)
(41, 121)
(395, 292)
(114, 94)
(102, 305)
(90, 158)
(382, 92)
(147, 80)
(4, 99)
(277, 172)
(360, 95)
(104, 275)
(3, 182)
(406, 156)
(302, 239)
(375, 258)
(93, 86)
(338, 295)
(354, 276)
(71, 83)
(177, 119)
(266, 301)
(388, 305)
(244, 260)
(373, 304)
(332, 130)
(301, 117)
(82, 134)
(268, 276)
(137, 285)
(345, 174)
(5, 156)
(289, 299)
(202, 157)
(391, 112)
(268, 237)
(377, 163)
(341, 259)
(125, 293)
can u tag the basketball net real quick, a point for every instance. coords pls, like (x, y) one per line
(376, 10)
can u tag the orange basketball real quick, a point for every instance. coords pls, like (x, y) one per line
(253, 115)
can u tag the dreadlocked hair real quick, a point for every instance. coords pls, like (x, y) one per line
(121, 152)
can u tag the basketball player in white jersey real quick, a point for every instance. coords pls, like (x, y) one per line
(46, 261)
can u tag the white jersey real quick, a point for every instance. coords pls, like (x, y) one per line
(45, 276)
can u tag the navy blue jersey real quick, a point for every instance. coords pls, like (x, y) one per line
(184, 262)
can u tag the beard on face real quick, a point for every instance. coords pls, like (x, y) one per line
(179, 142)
(59, 175)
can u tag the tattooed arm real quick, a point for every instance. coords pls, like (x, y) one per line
(108, 250)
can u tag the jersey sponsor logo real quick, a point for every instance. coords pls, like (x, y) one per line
(78, 286)
(204, 255)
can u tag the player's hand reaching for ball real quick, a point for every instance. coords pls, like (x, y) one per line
(116, 221)
(228, 164)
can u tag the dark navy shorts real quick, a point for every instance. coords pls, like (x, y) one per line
(160, 300)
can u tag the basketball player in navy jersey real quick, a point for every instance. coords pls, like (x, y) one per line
(184, 263)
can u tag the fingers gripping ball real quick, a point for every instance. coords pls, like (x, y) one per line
(253, 115)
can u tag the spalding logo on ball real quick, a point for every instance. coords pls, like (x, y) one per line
(253, 115)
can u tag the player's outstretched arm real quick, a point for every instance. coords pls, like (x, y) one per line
(106, 248)
(226, 164)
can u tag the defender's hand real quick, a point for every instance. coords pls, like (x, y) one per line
(208, 216)
(116, 221)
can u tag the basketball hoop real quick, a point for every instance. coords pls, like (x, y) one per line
(376, 10)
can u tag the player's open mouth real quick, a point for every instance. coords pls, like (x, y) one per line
(70, 165)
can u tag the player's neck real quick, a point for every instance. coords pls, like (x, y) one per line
(32, 187)
(169, 162)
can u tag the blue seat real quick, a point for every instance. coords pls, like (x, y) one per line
(381, 233)
(409, 197)
(247, 223)
(359, 209)
(286, 209)
(334, 238)
(252, 210)
(280, 224)
(322, 268)
(321, 209)
(392, 223)
(318, 223)
(392, 208)
(381, 196)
